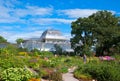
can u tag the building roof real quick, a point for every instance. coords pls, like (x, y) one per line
(52, 34)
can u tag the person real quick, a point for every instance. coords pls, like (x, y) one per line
(84, 58)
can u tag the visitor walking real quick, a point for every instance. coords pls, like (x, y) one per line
(84, 58)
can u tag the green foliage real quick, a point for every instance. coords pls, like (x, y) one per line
(9, 58)
(117, 57)
(73, 61)
(46, 63)
(45, 54)
(42, 54)
(82, 76)
(86, 50)
(41, 72)
(19, 40)
(22, 49)
(16, 74)
(63, 70)
(56, 76)
(94, 60)
(9, 50)
(11, 62)
(106, 71)
(2, 40)
(34, 63)
(93, 31)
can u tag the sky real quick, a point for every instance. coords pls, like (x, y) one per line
(29, 18)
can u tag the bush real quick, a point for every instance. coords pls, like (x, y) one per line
(102, 72)
(56, 76)
(9, 62)
(80, 74)
(83, 76)
(105, 72)
(43, 54)
(46, 72)
(16, 74)
(63, 69)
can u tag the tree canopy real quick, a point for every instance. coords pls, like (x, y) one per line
(101, 30)
(19, 40)
(2, 40)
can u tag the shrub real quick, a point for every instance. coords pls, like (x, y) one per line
(117, 57)
(44, 54)
(45, 63)
(9, 62)
(94, 60)
(46, 72)
(83, 76)
(102, 72)
(16, 74)
(64, 70)
(56, 76)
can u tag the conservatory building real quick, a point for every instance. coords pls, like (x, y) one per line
(47, 42)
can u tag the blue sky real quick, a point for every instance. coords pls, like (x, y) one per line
(29, 18)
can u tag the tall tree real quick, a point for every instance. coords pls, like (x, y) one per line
(98, 30)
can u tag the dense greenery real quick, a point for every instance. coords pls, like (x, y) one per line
(49, 66)
(41, 64)
(105, 71)
(16, 74)
(101, 30)
(2, 40)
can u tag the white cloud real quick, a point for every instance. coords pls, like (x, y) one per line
(44, 21)
(4, 12)
(10, 13)
(12, 36)
(33, 11)
(10, 3)
(76, 13)
(8, 28)
(11, 20)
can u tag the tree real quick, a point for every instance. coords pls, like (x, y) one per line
(99, 30)
(19, 40)
(2, 40)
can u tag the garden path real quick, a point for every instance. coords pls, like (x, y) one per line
(69, 76)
